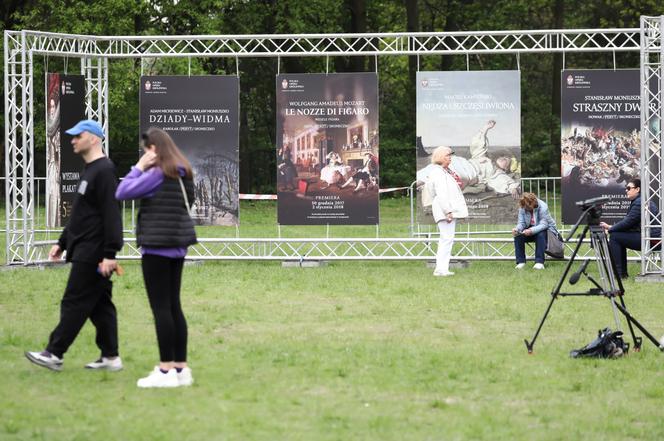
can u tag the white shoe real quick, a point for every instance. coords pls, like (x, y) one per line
(519, 266)
(184, 377)
(45, 359)
(443, 274)
(157, 378)
(107, 364)
(538, 266)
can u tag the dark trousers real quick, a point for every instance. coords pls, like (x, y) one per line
(540, 240)
(87, 295)
(619, 241)
(163, 277)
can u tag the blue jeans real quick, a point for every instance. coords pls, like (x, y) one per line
(619, 241)
(540, 240)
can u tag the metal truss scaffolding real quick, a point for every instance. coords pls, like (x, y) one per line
(652, 143)
(95, 52)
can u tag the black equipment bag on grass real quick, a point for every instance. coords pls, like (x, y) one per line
(608, 344)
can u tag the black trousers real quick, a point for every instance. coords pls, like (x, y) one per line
(87, 295)
(163, 277)
(619, 241)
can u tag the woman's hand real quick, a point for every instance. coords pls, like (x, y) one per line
(450, 217)
(148, 159)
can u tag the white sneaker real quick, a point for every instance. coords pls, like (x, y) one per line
(443, 274)
(519, 266)
(184, 377)
(157, 378)
(45, 359)
(538, 266)
(106, 364)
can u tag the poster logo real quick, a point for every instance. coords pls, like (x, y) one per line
(284, 84)
(425, 83)
(148, 85)
(570, 80)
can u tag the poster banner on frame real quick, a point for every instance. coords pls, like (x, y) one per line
(478, 115)
(327, 149)
(65, 106)
(201, 114)
(600, 139)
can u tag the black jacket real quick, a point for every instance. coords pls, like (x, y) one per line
(632, 220)
(94, 229)
(163, 219)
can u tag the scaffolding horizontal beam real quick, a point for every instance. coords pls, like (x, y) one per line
(313, 45)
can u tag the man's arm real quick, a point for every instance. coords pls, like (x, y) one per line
(110, 211)
(632, 218)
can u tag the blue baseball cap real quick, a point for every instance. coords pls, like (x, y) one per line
(87, 125)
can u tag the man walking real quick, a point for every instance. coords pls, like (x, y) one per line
(91, 238)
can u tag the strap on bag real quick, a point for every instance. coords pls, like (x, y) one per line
(184, 194)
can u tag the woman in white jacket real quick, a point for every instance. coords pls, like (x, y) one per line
(448, 205)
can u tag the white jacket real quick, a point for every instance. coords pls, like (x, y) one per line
(447, 196)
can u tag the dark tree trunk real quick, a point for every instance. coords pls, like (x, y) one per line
(358, 25)
(558, 11)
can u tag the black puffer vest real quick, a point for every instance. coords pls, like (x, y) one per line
(163, 220)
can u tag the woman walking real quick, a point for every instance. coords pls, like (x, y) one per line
(162, 179)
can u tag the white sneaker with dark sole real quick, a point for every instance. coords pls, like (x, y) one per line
(106, 364)
(157, 378)
(45, 359)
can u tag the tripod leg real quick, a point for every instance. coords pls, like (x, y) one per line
(635, 339)
(529, 345)
(631, 319)
(556, 290)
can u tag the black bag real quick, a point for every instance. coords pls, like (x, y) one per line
(608, 344)
(554, 244)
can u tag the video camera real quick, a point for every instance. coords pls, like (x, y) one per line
(593, 207)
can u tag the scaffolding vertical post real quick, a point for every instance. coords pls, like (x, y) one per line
(652, 112)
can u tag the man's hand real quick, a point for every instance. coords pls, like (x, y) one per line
(450, 217)
(107, 266)
(605, 226)
(515, 232)
(55, 253)
(528, 232)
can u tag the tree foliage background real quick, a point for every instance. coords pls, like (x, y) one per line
(540, 74)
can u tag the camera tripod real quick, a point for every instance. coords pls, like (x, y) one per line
(608, 285)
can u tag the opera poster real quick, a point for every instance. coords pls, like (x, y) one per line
(201, 114)
(600, 139)
(327, 149)
(478, 115)
(65, 106)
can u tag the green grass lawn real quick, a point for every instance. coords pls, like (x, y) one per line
(349, 351)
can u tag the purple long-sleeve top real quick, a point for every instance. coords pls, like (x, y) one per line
(138, 185)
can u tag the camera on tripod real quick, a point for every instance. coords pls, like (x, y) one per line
(606, 283)
(593, 208)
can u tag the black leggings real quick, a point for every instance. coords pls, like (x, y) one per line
(163, 277)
